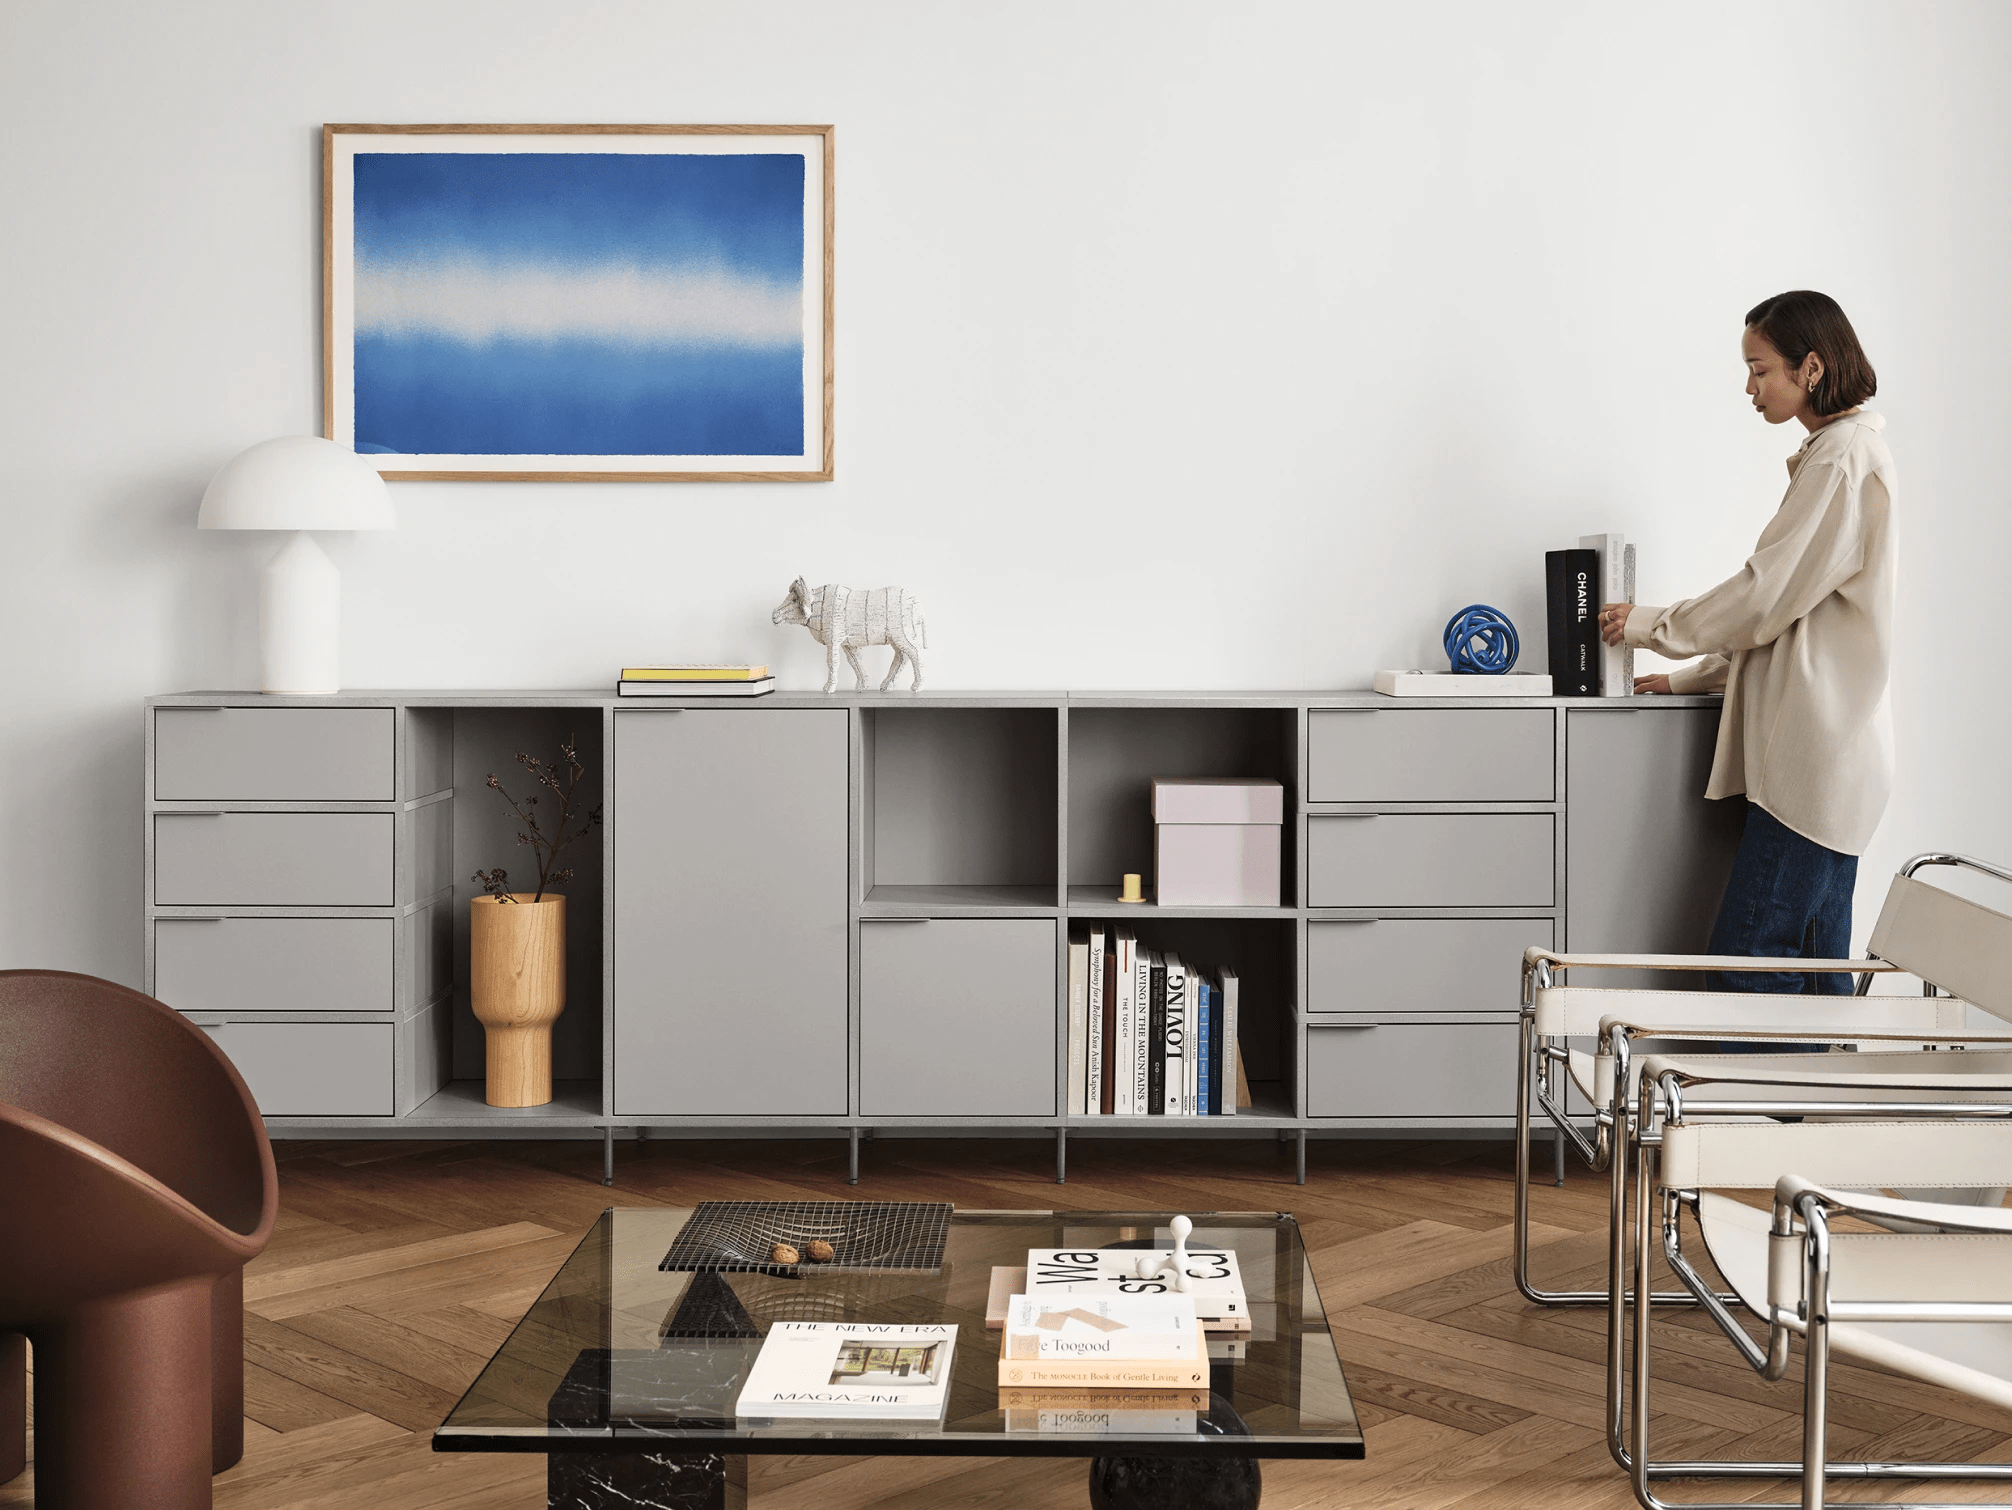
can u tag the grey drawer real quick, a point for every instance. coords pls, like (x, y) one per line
(1399, 966)
(312, 1069)
(1431, 755)
(275, 964)
(1424, 1070)
(273, 754)
(957, 1017)
(273, 859)
(1430, 860)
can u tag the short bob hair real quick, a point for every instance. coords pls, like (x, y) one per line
(1801, 321)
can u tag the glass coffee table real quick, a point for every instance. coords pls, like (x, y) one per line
(626, 1373)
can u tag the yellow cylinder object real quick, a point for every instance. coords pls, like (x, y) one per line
(517, 987)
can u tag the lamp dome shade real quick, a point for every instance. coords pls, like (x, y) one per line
(296, 482)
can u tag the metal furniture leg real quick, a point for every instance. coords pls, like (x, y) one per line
(852, 1156)
(1061, 1156)
(608, 1155)
(1558, 1159)
(1299, 1157)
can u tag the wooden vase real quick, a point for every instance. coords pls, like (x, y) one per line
(517, 986)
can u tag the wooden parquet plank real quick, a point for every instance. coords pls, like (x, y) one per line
(362, 1383)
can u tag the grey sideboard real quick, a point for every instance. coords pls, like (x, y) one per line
(850, 913)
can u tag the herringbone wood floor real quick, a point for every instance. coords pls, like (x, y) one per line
(399, 1267)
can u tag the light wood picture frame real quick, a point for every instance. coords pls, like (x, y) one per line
(579, 303)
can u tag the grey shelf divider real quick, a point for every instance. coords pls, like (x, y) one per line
(976, 811)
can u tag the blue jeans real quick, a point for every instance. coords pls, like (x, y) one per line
(1789, 897)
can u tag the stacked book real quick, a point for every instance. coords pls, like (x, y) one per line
(1150, 1034)
(1124, 1342)
(685, 681)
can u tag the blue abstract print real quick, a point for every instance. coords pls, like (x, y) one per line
(579, 304)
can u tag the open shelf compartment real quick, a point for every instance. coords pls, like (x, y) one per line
(960, 808)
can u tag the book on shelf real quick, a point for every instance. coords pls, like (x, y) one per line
(694, 671)
(1103, 1328)
(1093, 1052)
(1156, 1035)
(1236, 1092)
(1107, 1077)
(1079, 1018)
(1572, 621)
(1205, 1048)
(1105, 1412)
(1121, 1099)
(1174, 1075)
(1142, 1042)
(850, 1370)
(1114, 1373)
(1215, 1283)
(1615, 572)
(1191, 1084)
(759, 688)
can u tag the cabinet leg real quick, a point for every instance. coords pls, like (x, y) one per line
(1558, 1159)
(1061, 1156)
(607, 1156)
(852, 1156)
(1299, 1157)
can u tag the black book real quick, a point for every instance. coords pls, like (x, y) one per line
(1572, 621)
(1156, 1045)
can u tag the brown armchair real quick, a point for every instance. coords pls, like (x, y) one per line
(137, 1182)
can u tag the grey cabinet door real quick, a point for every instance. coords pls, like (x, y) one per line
(957, 1018)
(729, 834)
(273, 754)
(1407, 967)
(1646, 857)
(1430, 860)
(1431, 755)
(1415, 1070)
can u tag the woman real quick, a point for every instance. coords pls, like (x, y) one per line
(1801, 639)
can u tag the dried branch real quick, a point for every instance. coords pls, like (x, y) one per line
(562, 778)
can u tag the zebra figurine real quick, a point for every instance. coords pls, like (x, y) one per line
(845, 618)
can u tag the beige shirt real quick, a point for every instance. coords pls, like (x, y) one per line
(1801, 639)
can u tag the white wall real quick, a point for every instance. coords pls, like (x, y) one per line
(1219, 346)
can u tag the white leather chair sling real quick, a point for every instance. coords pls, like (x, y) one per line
(1912, 1302)
(1915, 923)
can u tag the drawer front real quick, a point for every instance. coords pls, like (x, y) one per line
(275, 964)
(1403, 966)
(273, 859)
(312, 1069)
(273, 754)
(957, 1018)
(1432, 755)
(1431, 860)
(1424, 1070)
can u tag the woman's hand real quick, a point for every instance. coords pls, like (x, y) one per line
(1659, 683)
(1614, 623)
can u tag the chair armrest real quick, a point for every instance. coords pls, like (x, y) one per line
(1791, 1188)
(1535, 955)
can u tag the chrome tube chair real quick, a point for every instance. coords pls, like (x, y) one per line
(1910, 1301)
(1946, 941)
(1548, 1068)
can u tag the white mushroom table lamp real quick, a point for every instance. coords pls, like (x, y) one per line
(298, 483)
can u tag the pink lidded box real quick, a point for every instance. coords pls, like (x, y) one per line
(1216, 841)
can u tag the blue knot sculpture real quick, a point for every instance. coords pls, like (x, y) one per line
(1480, 641)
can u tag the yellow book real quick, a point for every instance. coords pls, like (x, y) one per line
(693, 673)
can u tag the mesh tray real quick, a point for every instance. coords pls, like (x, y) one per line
(736, 1236)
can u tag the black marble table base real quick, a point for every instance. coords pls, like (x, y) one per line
(645, 1481)
(1174, 1484)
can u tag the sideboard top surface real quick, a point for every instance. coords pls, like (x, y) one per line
(532, 697)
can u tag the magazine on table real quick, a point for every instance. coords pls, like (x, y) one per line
(850, 1370)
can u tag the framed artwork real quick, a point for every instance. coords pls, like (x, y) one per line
(643, 303)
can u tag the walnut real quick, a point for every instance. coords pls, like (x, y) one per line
(818, 1251)
(783, 1253)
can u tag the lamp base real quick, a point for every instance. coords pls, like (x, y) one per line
(300, 619)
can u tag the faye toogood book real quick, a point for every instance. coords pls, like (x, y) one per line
(1215, 1283)
(1109, 1373)
(1572, 621)
(841, 1370)
(1102, 1328)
